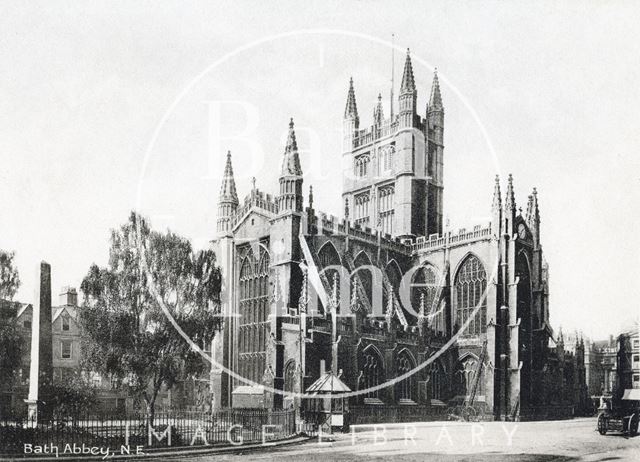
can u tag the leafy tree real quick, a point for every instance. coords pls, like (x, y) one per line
(72, 397)
(10, 340)
(127, 334)
(9, 278)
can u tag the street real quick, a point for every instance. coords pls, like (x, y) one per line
(565, 440)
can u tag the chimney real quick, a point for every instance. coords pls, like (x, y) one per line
(68, 296)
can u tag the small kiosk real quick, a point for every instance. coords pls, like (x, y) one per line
(329, 410)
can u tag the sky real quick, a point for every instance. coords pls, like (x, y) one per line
(113, 106)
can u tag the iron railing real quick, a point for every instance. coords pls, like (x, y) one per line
(172, 428)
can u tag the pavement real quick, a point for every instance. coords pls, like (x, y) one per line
(561, 440)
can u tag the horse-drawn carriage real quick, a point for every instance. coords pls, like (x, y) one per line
(621, 416)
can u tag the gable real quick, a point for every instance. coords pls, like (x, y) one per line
(253, 225)
(64, 311)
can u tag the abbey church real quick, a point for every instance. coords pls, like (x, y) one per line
(462, 316)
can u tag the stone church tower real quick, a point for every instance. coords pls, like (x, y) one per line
(393, 178)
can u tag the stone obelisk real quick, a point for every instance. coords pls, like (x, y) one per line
(41, 364)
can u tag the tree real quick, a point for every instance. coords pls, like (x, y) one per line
(126, 332)
(71, 397)
(9, 277)
(10, 340)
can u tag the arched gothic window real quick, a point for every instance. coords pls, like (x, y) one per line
(405, 388)
(386, 208)
(372, 372)
(253, 310)
(290, 376)
(437, 381)
(427, 282)
(387, 157)
(361, 166)
(361, 209)
(470, 286)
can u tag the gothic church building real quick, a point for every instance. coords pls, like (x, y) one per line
(463, 315)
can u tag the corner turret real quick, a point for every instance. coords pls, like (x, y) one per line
(351, 121)
(228, 199)
(290, 198)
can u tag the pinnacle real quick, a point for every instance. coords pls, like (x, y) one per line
(378, 114)
(535, 211)
(497, 196)
(291, 160)
(510, 200)
(435, 100)
(351, 109)
(228, 187)
(529, 209)
(408, 84)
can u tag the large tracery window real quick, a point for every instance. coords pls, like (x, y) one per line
(404, 388)
(253, 321)
(372, 373)
(470, 286)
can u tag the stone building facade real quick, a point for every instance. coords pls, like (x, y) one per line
(612, 365)
(462, 316)
(62, 347)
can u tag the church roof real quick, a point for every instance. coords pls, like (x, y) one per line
(291, 160)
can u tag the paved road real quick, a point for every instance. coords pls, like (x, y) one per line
(568, 440)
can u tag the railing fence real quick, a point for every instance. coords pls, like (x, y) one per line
(169, 429)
